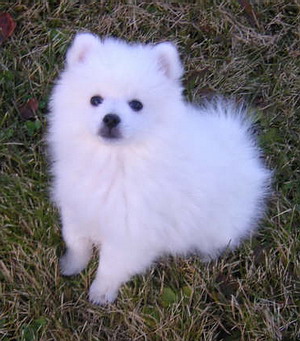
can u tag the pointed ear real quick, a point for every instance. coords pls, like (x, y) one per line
(168, 60)
(82, 45)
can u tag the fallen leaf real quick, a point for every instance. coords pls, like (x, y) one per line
(260, 253)
(227, 285)
(250, 13)
(207, 93)
(168, 297)
(28, 110)
(198, 74)
(33, 126)
(7, 26)
(207, 29)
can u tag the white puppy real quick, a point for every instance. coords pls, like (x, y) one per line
(141, 173)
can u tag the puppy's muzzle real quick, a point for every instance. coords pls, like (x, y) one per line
(110, 127)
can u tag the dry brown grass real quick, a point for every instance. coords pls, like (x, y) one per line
(252, 294)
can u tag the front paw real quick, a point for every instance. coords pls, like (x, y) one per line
(70, 265)
(102, 293)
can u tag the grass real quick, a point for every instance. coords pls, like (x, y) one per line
(251, 294)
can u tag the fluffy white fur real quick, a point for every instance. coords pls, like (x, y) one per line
(179, 179)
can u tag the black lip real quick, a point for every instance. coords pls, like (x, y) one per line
(110, 134)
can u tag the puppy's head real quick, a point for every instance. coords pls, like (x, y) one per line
(117, 91)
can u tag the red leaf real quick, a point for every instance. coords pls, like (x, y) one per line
(7, 26)
(249, 11)
(28, 110)
(207, 93)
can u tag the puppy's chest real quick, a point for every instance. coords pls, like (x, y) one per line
(121, 194)
(106, 190)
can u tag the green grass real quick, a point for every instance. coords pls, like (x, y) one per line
(251, 294)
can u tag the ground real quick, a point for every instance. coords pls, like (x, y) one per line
(248, 50)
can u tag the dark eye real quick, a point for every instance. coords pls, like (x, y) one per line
(135, 105)
(96, 100)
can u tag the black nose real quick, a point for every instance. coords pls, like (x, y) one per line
(111, 120)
